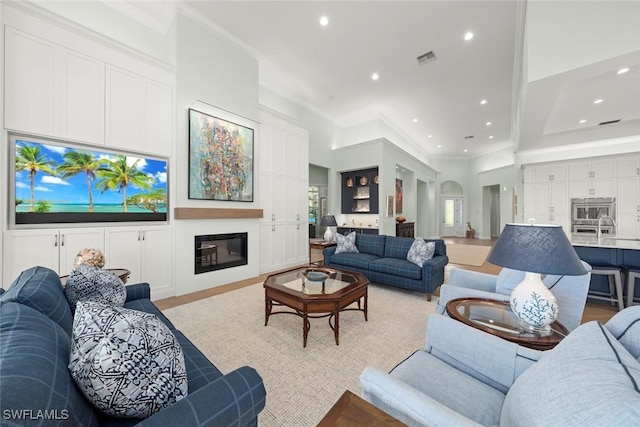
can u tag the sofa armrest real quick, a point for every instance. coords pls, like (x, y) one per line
(449, 292)
(472, 279)
(327, 252)
(233, 399)
(435, 263)
(405, 403)
(138, 291)
(486, 357)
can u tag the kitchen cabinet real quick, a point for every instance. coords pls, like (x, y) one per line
(146, 252)
(628, 202)
(51, 90)
(360, 191)
(547, 203)
(52, 248)
(283, 193)
(551, 173)
(593, 179)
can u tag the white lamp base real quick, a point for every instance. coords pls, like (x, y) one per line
(534, 304)
(328, 235)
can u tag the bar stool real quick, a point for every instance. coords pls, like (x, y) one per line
(633, 273)
(615, 285)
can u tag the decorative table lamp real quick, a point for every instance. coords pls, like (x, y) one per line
(328, 221)
(535, 249)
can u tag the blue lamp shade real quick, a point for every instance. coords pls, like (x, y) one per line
(543, 249)
(536, 250)
(328, 221)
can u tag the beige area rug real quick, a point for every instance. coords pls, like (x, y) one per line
(468, 254)
(303, 383)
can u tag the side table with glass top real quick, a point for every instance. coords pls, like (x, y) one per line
(496, 318)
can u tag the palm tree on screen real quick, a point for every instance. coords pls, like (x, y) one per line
(76, 162)
(31, 159)
(118, 175)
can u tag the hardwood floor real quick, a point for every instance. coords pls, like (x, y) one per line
(593, 311)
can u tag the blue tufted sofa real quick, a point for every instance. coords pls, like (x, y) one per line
(36, 387)
(383, 259)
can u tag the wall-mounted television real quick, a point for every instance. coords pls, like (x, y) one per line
(57, 183)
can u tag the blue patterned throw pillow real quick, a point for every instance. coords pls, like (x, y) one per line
(346, 243)
(89, 283)
(126, 362)
(421, 251)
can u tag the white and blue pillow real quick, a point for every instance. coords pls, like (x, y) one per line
(89, 283)
(126, 362)
(346, 243)
(420, 251)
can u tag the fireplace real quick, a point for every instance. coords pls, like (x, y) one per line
(218, 251)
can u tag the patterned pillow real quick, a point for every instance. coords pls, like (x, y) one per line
(421, 251)
(89, 283)
(346, 243)
(126, 362)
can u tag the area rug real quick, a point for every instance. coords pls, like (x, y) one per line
(303, 383)
(468, 254)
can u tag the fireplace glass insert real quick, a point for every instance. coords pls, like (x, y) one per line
(219, 251)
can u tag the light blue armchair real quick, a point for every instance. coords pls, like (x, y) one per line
(465, 377)
(570, 291)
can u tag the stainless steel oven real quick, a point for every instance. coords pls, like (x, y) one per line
(585, 213)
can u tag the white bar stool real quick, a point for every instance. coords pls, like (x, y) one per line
(615, 285)
(632, 275)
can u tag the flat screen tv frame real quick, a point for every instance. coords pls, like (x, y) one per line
(105, 213)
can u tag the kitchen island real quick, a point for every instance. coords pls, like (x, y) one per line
(609, 252)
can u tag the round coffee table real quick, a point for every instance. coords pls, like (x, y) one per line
(496, 318)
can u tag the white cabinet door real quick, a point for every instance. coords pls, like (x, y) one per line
(124, 109)
(629, 166)
(603, 169)
(24, 249)
(156, 260)
(628, 226)
(30, 83)
(579, 171)
(158, 111)
(82, 106)
(272, 247)
(73, 240)
(122, 250)
(628, 201)
(580, 188)
(603, 187)
(560, 203)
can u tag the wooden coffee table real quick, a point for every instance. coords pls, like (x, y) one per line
(315, 299)
(351, 410)
(496, 318)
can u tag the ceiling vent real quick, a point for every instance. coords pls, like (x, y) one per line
(468, 137)
(426, 57)
(610, 122)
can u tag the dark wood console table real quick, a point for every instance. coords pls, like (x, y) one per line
(405, 229)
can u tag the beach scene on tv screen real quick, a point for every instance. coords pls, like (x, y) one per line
(56, 179)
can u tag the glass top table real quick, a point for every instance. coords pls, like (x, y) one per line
(496, 318)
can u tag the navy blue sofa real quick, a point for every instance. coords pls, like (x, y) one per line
(383, 259)
(36, 387)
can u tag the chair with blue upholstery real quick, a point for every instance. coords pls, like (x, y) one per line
(570, 291)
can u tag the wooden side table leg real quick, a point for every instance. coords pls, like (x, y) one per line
(336, 330)
(305, 328)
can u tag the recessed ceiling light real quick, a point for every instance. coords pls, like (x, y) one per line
(484, 101)
(375, 76)
(429, 136)
(488, 123)
(490, 136)
(415, 120)
(623, 70)
(438, 146)
(468, 36)
(465, 150)
(583, 121)
(324, 21)
(598, 101)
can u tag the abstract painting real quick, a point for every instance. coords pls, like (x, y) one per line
(398, 196)
(220, 159)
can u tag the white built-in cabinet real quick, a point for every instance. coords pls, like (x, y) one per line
(283, 192)
(145, 251)
(52, 248)
(546, 196)
(593, 179)
(628, 201)
(51, 90)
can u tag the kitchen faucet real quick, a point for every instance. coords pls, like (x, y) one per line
(613, 222)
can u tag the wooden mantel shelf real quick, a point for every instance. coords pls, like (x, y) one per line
(215, 213)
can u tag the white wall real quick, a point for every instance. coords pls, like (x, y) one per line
(219, 79)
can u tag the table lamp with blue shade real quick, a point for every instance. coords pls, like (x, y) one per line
(536, 250)
(328, 221)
